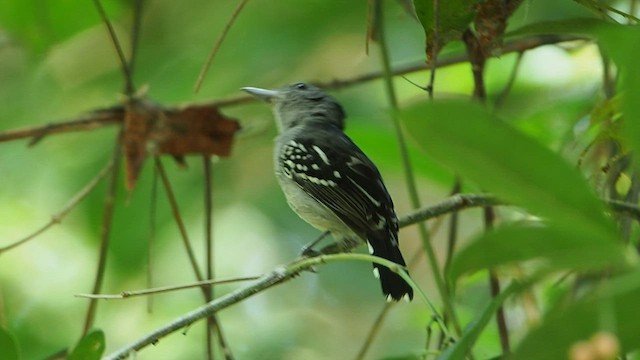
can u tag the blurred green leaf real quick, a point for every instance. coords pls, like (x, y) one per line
(404, 357)
(454, 17)
(613, 308)
(89, 347)
(41, 24)
(630, 39)
(560, 247)
(461, 348)
(482, 148)
(8, 346)
(600, 9)
(588, 27)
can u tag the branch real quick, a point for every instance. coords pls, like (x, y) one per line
(132, 293)
(284, 273)
(115, 114)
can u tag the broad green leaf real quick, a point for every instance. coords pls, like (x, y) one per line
(612, 308)
(8, 346)
(630, 39)
(558, 247)
(461, 348)
(454, 16)
(90, 347)
(480, 147)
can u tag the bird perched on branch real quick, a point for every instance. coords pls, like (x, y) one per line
(329, 182)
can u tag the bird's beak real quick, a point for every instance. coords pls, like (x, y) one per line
(262, 94)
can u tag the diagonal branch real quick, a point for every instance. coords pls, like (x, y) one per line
(284, 273)
(114, 115)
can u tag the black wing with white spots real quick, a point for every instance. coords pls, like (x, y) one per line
(335, 172)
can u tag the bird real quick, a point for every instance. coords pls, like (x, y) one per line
(329, 181)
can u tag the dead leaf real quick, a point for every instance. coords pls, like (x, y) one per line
(150, 129)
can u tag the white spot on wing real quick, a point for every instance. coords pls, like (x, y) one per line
(336, 174)
(374, 201)
(389, 298)
(370, 248)
(322, 155)
(376, 273)
(406, 298)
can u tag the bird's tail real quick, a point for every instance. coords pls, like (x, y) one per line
(393, 285)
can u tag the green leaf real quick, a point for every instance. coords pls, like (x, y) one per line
(613, 308)
(628, 62)
(454, 16)
(89, 347)
(8, 346)
(559, 247)
(461, 348)
(482, 148)
(587, 27)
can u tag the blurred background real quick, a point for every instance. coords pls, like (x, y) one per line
(57, 63)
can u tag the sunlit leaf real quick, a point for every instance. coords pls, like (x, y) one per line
(480, 147)
(558, 247)
(90, 347)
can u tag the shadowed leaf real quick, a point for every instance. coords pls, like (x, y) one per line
(559, 248)
(8, 346)
(454, 16)
(473, 142)
(89, 347)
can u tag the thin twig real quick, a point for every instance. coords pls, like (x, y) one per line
(90, 121)
(282, 274)
(435, 49)
(178, 218)
(100, 119)
(70, 205)
(408, 167)
(215, 48)
(377, 324)
(208, 213)
(373, 331)
(163, 289)
(187, 244)
(452, 237)
(153, 224)
(114, 39)
(512, 79)
(277, 276)
(135, 35)
(105, 233)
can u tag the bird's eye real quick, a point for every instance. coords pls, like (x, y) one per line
(300, 86)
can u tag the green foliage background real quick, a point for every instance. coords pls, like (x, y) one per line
(57, 62)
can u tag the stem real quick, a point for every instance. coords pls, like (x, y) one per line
(408, 170)
(105, 233)
(275, 277)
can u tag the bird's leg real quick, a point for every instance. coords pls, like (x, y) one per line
(345, 244)
(308, 249)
